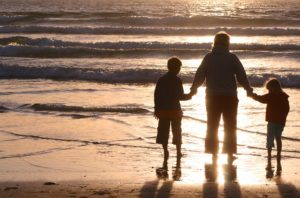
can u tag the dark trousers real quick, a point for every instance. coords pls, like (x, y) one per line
(215, 107)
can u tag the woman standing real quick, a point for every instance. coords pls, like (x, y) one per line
(221, 69)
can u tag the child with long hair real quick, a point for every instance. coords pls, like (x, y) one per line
(276, 114)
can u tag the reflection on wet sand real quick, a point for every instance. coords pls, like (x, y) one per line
(218, 178)
(162, 172)
(213, 175)
(285, 189)
(212, 172)
(162, 186)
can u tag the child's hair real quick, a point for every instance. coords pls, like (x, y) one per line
(273, 85)
(222, 39)
(174, 64)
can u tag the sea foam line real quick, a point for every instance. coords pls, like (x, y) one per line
(20, 41)
(133, 19)
(247, 31)
(84, 142)
(66, 108)
(104, 143)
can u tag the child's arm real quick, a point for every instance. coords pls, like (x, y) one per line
(181, 95)
(186, 96)
(260, 98)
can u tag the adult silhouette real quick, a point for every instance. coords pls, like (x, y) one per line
(221, 69)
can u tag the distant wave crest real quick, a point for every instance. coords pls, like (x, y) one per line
(20, 46)
(133, 19)
(44, 42)
(141, 76)
(248, 31)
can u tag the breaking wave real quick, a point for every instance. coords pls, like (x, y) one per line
(20, 46)
(140, 76)
(46, 42)
(248, 31)
(66, 108)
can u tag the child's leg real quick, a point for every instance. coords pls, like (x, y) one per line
(178, 148)
(177, 136)
(270, 141)
(166, 153)
(269, 157)
(279, 148)
(163, 136)
(278, 132)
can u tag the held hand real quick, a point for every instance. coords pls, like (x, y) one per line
(193, 92)
(155, 115)
(252, 95)
(250, 92)
(189, 96)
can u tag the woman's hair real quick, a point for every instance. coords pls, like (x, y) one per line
(273, 85)
(174, 64)
(222, 39)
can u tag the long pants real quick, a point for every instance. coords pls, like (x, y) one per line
(227, 107)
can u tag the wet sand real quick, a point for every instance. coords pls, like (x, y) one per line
(92, 170)
(155, 188)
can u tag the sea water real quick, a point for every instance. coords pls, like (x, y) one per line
(83, 72)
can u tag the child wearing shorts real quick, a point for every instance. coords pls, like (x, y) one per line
(276, 114)
(167, 95)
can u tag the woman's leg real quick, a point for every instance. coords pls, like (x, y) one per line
(214, 110)
(230, 121)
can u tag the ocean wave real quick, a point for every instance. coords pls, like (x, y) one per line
(140, 76)
(122, 45)
(204, 21)
(248, 31)
(14, 17)
(49, 48)
(86, 52)
(44, 91)
(66, 108)
(3, 109)
(134, 19)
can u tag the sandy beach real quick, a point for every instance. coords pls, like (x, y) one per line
(81, 170)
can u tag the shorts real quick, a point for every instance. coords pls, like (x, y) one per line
(163, 130)
(274, 130)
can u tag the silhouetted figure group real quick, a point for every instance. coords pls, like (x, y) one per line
(220, 70)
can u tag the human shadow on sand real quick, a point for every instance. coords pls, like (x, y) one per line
(211, 186)
(286, 189)
(162, 186)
